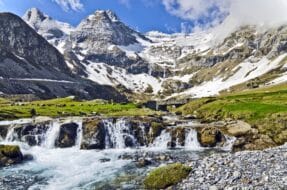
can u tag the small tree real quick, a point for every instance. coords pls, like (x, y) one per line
(33, 112)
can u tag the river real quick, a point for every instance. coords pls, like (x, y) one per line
(116, 166)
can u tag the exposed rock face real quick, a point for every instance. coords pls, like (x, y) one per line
(67, 136)
(178, 136)
(30, 65)
(28, 53)
(3, 131)
(9, 155)
(174, 86)
(98, 39)
(210, 137)
(93, 134)
(53, 31)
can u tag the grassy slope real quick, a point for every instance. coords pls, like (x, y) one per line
(68, 107)
(264, 108)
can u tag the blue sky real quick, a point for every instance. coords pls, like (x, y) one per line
(142, 15)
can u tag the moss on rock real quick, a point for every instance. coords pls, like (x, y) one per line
(10, 154)
(155, 130)
(166, 176)
(210, 136)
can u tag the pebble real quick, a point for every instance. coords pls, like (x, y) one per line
(242, 170)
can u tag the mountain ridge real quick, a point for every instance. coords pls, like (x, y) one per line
(171, 65)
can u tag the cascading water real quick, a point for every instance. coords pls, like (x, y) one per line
(162, 140)
(62, 168)
(191, 141)
(79, 133)
(52, 134)
(73, 168)
(118, 133)
(10, 135)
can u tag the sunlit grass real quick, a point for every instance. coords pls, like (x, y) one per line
(69, 107)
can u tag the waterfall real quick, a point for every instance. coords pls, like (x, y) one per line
(118, 134)
(191, 141)
(164, 71)
(115, 134)
(52, 134)
(162, 140)
(143, 133)
(229, 143)
(150, 69)
(79, 133)
(10, 135)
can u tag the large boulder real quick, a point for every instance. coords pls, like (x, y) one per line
(67, 136)
(210, 137)
(93, 134)
(9, 155)
(239, 128)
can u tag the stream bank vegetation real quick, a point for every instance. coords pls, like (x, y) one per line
(265, 109)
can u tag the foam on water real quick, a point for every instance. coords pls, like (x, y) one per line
(72, 168)
(52, 134)
(162, 140)
(191, 141)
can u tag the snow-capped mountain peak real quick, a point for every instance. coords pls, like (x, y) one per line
(34, 16)
(49, 28)
(104, 15)
(106, 27)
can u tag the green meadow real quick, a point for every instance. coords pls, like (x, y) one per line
(68, 107)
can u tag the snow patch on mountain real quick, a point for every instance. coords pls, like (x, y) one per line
(245, 71)
(110, 75)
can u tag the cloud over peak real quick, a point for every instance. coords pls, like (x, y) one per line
(67, 5)
(232, 13)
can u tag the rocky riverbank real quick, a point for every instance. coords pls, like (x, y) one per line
(242, 170)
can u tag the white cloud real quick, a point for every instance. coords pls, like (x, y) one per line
(67, 5)
(125, 3)
(197, 9)
(231, 13)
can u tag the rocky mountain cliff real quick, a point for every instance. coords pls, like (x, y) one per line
(30, 65)
(103, 49)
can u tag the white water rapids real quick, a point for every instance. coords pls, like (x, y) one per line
(72, 168)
